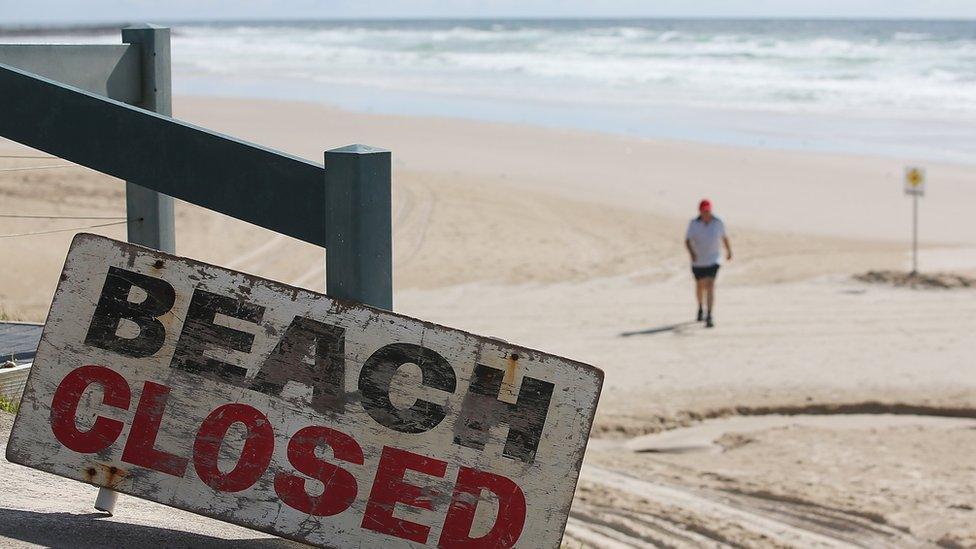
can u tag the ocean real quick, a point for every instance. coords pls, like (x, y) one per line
(905, 89)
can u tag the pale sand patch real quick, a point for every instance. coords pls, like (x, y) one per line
(448, 230)
(788, 192)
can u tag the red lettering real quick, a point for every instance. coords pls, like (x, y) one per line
(140, 448)
(340, 486)
(64, 407)
(389, 489)
(460, 516)
(254, 458)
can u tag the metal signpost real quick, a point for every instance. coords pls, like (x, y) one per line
(914, 187)
(295, 413)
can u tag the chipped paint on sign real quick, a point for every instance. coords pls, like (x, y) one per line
(290, 412)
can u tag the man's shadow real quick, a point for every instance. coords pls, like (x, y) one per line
(86, 531)
(661, 329)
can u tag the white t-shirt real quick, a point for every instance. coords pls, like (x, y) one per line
(706, 241)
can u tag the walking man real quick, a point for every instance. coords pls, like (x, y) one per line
(702, 241)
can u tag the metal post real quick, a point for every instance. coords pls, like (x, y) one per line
(150, 214)
(359, 225)
(915, 234)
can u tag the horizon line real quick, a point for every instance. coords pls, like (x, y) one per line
(111, 25)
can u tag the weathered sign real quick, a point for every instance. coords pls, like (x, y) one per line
(297, 414)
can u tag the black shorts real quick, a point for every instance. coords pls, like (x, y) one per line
(705, 272)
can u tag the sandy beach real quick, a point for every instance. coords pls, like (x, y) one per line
(571, 242)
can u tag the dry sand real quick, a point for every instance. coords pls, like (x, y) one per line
(571, 242)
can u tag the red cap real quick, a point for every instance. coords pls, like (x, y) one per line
(705, 206)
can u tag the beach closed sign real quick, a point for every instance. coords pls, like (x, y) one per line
(296, 414)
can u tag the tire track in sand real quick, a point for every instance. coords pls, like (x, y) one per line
(674, 516)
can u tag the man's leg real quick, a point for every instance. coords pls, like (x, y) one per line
(699, 294)
(710, 299)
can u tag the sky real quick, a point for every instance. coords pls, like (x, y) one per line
(18, 12)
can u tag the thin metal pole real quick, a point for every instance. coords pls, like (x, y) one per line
(915, 234)
(359, 225)
(150, 214)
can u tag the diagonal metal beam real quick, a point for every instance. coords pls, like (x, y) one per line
(258, 185)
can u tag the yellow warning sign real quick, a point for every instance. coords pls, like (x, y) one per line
(914, 181)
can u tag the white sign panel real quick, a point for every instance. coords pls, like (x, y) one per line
(914, 181)
(290, 412)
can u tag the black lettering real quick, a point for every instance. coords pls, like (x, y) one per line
(114, 306)
(481, 410)
(306, 337)
(200, 334)
(374, 386)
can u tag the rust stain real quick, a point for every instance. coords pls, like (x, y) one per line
(109, 476)
(341, 306)
(158, 264)
(510, 368)
(114, 476)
